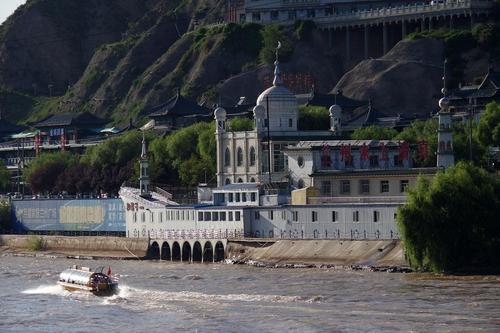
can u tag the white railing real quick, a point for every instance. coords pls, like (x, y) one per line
(367, 199)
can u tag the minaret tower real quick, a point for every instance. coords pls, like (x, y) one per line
(144, 177)
(220, 130)
(445, 157)
(336, 118)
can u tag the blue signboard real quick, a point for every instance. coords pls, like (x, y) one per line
(68, 215)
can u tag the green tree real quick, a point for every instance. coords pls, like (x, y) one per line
(5, 217)
(241, 124)
(422, 131)
(42, 173)
(450, 223)
(373, 132)
(313, 118)
(4, 178)
(489, 125)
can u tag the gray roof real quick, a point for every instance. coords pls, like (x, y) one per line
(71, 119)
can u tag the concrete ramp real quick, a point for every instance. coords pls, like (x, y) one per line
(333, 252)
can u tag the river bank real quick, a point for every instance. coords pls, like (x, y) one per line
(336, 254)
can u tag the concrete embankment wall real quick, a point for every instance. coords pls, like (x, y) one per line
(84, 245)
(335, 252)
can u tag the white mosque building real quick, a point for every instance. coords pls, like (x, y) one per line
(316, 186)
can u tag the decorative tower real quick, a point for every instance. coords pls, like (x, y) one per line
(259, 114)
(220, 129)
(445, 156)
(144, 177)
(336, 118)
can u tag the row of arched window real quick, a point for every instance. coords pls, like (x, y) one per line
(239, 157)
(239, 180)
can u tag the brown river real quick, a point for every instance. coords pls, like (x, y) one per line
(164, 297)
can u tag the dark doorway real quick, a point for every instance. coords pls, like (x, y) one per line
(176, 252)
(208, 253)
(186, 252)
(154, 251)
(219, 251)
(165, 251)
(197, 252)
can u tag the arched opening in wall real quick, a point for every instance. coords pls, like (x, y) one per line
(186, 252)
(165, 251)
(208, 252)
(197, 252)
(228, 181)
(300, 183)
(239, 157)
(252, 180)
(176, 252)
(219, 252)
(154, 251)
(240, 180)
(227, 157)
(252, 156)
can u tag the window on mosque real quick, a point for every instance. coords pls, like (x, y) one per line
(384, 186)
(326, 187)
(355, 216)
(227, 157)
(239, 156)
(364, 186)
(280, 160)
(345, 186)
(252, 156)
(403, 185)
(295, 216)
(230, 197)
(200, 216)
(237, 216)
(314, 216)
(376, 216)
(253, 197)
(335, 216)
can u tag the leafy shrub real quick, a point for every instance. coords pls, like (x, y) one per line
(36, 243)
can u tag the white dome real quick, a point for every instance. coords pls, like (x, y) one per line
(220, 113)
(259, 111)
(276, 93)
(335, 111)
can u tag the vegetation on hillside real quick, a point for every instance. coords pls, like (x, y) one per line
(313, 118)
(464, 199)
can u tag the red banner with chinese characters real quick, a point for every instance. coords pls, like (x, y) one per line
(345, 153)
(364, 152)
(325, 156)
(404, 151)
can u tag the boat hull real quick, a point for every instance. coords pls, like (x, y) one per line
(99, 290)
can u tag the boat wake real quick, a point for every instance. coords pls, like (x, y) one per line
(54, 289)
(154, 296)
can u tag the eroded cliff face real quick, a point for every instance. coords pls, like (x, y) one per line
(118, 58)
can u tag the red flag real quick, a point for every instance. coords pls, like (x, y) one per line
(109, 270)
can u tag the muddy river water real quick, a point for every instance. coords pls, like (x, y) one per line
(166, 297)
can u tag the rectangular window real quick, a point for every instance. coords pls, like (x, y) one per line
(253, 197)
(230, 197)
(295, 216)
(143, 217)
(222, 216)
(364, 186)
(255, 17)
(257, 215)
(230, 216)
(244, 197)
(200, 216)
(237, 197)
(237, 216)
(326, 187)
(314, 216)
(283, 214)
(152, 217)
(345, 187)
(403, 185)
(207, 216)
(161, 217)
(182, 216)
(215, 216)
(376, 216)
(290, 122)
(355, 216)
(135, 216)
(335, 217)
(177, 215)
(270, 214)
(384, 186)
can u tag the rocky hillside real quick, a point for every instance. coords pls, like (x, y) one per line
(118, 58)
